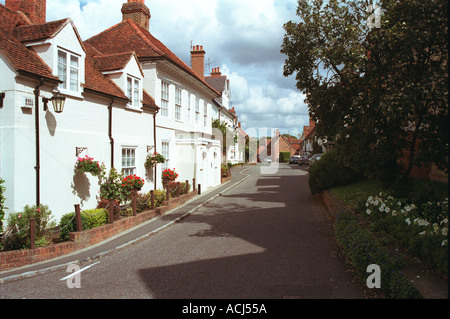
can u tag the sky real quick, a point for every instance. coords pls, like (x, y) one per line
(242, 37)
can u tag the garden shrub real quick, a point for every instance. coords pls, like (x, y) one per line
(284, 157)
(328, 172)
(68, 224)
(160, 197)
(363, 249)
(422, 229)
(18, 227)
(97, 217)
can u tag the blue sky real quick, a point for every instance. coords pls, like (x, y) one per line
(243, 38)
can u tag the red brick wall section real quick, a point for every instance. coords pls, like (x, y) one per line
(79, 240)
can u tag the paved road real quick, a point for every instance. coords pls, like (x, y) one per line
(264, 238)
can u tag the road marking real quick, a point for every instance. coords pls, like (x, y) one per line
(79, 271)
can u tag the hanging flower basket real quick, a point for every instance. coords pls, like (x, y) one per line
(154, 159)
(169, 175)
(133, 183)
(88, 165)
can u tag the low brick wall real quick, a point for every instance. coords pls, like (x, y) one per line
(80, 240)
(334, 207)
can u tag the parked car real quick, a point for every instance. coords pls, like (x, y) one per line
(304, 160)
(315, 158)
(294, 159)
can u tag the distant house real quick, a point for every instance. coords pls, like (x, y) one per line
(288, 144)
(224, 113)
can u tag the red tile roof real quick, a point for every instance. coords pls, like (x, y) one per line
(96, 81)
(149, 101)
(113, 62)
(39, 32)
(127, 36)
(20, 57)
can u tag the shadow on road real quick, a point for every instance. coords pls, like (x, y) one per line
(267, 238)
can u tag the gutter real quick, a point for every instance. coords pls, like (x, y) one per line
(110, 129)
(37, 92)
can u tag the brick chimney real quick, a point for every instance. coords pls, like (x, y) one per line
(35, 10)
(138, 12)
(198, 60)
(216, 72)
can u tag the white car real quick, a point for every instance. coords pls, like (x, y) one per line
(314, 158)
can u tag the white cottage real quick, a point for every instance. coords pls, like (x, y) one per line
(107, 113)
(183, 125)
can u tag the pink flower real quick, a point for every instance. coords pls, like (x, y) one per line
(19, 216)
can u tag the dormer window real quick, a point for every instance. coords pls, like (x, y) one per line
(133, 91)
(69, 70)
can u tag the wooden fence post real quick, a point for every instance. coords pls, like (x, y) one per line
(78, 218)
(134, 201)
(32, 233)
(152, 198)
(178, 189)
(111, 205)
(167, 192)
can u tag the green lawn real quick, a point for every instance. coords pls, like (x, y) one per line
(356, 194)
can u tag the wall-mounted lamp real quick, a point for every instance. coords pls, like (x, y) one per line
(58, 101)
(2, 97)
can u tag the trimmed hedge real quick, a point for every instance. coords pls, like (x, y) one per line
(284, 157)
(363, 249)
(91, 218)
(328, 172)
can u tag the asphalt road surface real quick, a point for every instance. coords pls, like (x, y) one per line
(265, 237)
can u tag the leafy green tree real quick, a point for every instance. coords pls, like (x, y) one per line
(379, 92)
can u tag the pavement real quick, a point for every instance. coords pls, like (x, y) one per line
(129, 237)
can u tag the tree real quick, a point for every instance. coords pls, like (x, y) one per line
(377, 91)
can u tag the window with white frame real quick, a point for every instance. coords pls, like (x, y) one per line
(197, 110)
(189, 108)
(133, 90)
(69, 70)
(129, 161)
(165, 99)
(178, 103)
(205, 114)
(165, 151)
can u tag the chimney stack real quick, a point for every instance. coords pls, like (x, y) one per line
(216, 72)
(198, 60)
(35, 10)
(138, 12)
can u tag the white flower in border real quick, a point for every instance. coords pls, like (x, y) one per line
(408, 221)
(444, 243)
(368, 211)
(421, 222)
(444, 231)
(422, 233)
(387, 209)
(399, 203)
